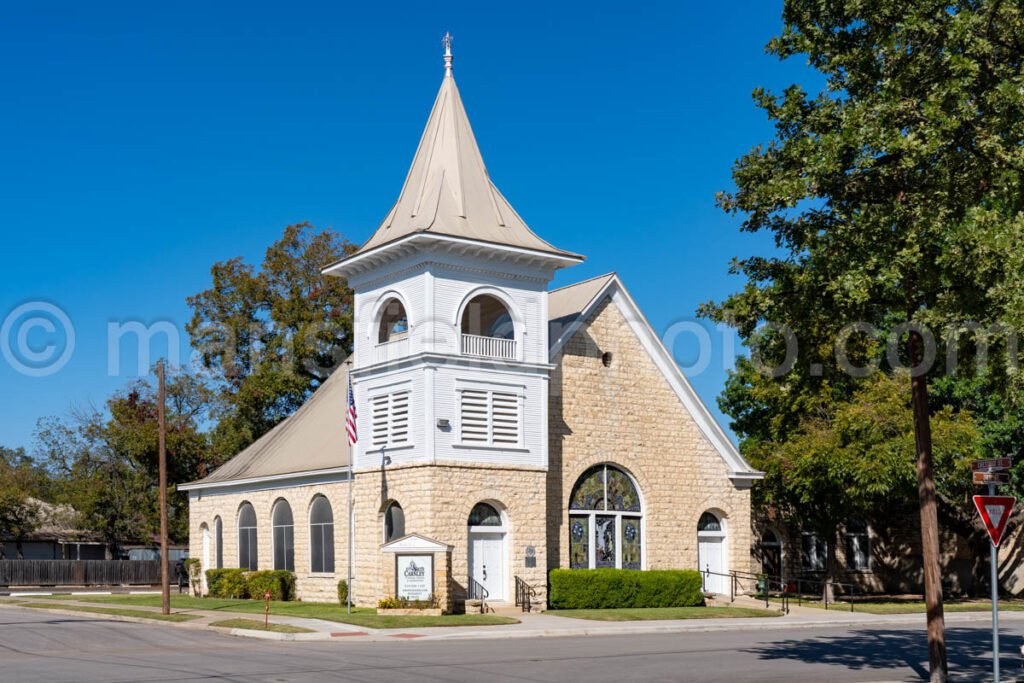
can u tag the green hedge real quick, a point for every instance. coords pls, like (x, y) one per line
(611, 588)
(279, 582)
(238, 583)
(343, 593)
(227, 583)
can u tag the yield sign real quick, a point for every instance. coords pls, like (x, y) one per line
(995, 513)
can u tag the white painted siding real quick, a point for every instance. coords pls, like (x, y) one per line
(434, 287)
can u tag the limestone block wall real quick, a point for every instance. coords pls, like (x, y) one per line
(437, 499)
(628, 415)
(204, 507)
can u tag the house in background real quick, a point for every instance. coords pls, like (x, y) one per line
(56, 538)
(519, 429)
(880, 555)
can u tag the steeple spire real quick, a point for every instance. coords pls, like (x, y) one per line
(447, 190)
(447, 43)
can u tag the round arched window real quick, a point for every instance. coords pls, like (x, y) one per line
(605, 520)
(284, 536)
(394, 522)
(321, 536)
(394, 323)
(487, 316)
(247, 540)
(709, 522)
(484, 514)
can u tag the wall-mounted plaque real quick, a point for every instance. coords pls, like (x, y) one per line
(414, 576)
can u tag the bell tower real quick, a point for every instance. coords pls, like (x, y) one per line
(451, 312)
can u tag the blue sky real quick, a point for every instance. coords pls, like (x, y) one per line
(142, 143)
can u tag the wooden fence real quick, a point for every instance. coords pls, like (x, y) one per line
(79, 572)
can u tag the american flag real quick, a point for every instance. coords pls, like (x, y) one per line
(350, 416)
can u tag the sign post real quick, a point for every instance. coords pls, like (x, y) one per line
(995, 513)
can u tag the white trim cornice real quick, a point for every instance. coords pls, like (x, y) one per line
(378, 256)
(329, 475)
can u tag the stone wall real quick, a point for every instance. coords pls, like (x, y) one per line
(437, 500)
(628, 415)
(204, 507)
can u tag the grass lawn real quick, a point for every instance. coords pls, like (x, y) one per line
(361, 616)
(254, 625)
(883, 606)
(113, 611)
(654, 613)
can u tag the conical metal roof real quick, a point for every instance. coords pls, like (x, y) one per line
(448, 190)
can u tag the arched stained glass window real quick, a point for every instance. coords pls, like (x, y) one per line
(284, 536)
(605, 520)
(605, 488)
(484, 514)
(321, 536)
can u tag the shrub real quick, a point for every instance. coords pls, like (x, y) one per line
(343, 593)
(279, 582)
(612, 588)
(226, 583)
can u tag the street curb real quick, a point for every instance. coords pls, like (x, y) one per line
(629, 628)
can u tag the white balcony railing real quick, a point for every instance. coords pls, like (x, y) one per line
(488, 347)
(391, 350)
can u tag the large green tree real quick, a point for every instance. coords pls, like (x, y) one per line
(21, 481)
(272, 335)
(895, 197)
(105, 464)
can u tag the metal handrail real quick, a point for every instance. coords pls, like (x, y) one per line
(524, 592)
(849, 589)
(478, 592)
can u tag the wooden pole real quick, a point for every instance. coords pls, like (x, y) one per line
(929, 516)
(165, 577)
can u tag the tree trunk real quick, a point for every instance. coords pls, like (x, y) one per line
(828, 593)
(929, 515)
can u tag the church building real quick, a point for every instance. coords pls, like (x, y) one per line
(504, 426)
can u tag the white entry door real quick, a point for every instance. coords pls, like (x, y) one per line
(711, 557)
(487, 562)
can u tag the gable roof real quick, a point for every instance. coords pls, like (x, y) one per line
(448, 190)
(567, 303)
(571, 306)
(311, 440)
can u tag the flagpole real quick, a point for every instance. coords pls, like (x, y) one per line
(352, 434)
(349, 591)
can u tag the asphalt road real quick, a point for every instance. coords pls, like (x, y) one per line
(39, 647)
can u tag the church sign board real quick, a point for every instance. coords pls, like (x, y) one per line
(414, 576)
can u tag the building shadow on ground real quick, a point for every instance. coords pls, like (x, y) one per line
(969, 651)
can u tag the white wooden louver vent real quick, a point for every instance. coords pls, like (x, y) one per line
(490, 418)
(390, 418)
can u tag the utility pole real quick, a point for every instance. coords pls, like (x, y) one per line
(165, 578)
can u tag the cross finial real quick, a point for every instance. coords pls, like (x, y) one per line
(447, 43)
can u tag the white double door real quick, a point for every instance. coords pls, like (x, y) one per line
(711, 558)
(487, 562)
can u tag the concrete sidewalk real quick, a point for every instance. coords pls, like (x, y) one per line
(534, 625)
